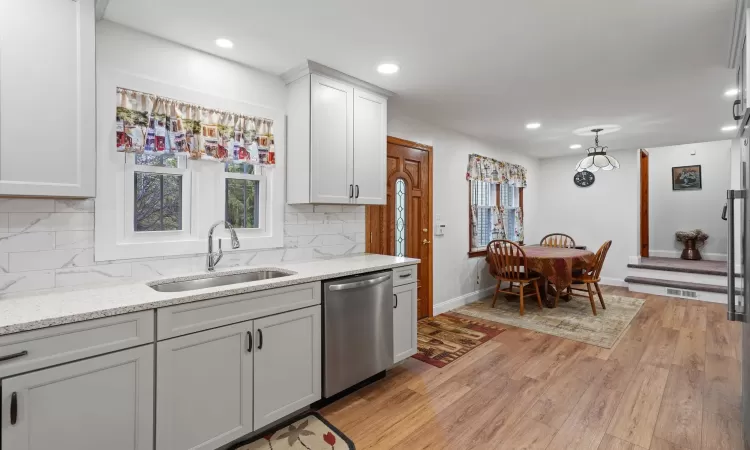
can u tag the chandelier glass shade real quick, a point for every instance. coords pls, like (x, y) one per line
(597, 158)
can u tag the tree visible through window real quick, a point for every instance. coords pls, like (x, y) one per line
(158, 197)
(242, 197)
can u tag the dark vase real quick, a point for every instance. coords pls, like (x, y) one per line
(690, 251)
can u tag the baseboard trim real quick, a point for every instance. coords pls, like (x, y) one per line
(462, 300)
(677, 253)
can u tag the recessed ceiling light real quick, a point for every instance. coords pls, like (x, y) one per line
(388, 68)
(732, 92)
(729, 128)
(575, 146)
(533, 125)
(224, 43)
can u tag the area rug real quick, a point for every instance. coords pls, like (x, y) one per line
(443, 339)
(311, 432)
(570, 320)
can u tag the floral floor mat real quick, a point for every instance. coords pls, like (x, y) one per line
(311, 432)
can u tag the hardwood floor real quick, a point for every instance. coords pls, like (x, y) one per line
(672, 382)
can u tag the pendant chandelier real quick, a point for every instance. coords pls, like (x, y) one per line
(597, 157)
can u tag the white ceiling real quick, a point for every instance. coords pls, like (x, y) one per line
(658, 68)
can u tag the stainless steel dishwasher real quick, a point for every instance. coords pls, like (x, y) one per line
(357, 329)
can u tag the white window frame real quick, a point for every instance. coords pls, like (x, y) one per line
(129, 212)
(259, 231)
(205, 196)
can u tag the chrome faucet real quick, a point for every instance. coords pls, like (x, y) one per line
(213, 258)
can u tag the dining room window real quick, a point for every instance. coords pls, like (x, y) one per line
(495, 213)
(495, 202)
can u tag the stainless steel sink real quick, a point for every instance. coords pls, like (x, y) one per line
(222, 280)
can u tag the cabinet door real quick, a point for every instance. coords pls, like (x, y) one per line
(102, 402)
(370, 135)
(47, 91)
(331, 144)
(404, 321)
(204, 385)
(287, 363)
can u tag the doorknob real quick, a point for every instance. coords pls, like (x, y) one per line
(425, 241)
(424, 230)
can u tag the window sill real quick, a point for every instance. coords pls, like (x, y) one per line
(477, 254)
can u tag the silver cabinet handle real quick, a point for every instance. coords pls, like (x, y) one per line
(358, 284)
(732, 314)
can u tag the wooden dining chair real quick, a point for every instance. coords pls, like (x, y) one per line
(509, 263)
(558, 240)
(592, 275)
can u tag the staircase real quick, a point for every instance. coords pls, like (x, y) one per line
(697, 280)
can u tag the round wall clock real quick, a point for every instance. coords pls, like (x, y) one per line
(583, 179)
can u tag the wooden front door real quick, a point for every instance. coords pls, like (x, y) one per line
(403, 227)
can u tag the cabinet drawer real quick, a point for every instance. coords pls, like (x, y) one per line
(404, 275)
(189, 318)
(65, 343)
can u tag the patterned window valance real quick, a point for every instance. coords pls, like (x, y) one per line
(153, 124)
(481, 168)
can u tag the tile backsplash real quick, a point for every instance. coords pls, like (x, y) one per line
(47, 243)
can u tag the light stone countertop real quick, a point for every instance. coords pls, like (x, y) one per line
(35, 311)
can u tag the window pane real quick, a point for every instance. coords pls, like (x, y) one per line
(483, 193)
(239, 168)
(484, 227)
(242, 198)
(158, 202)
(156, 160)
(400, 217)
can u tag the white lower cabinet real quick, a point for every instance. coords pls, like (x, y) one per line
(404, 321)
(97, 403)
(204, 388)
(218, 385)
(287, 364)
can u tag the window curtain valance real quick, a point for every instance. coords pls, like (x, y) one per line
(490, 170)
(148, 123)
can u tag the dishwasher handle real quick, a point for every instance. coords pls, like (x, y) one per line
(359, 284)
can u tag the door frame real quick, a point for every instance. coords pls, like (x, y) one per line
(644, 216)
(368, 227)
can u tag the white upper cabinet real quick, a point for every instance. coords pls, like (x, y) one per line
(331, 136)
(337, 133)
(47, 104)
(370, 135)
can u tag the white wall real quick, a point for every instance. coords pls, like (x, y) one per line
(670, 211)
(454, 273)
(46, 243)
(607, 210)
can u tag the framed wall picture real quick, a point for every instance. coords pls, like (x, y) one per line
(686, 178)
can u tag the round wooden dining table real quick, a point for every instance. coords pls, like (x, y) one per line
(555, 266)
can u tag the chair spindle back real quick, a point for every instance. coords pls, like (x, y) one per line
(601, 254)
(558, 240)
(508, 259)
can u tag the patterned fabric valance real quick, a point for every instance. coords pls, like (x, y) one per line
(481, 168)
(153, 124)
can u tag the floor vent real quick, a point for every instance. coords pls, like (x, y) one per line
(682, 293)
